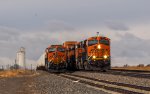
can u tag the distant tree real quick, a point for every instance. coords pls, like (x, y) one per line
(126, 65)
(15, 66)
(148, 65)
(115, 66)
(2, 68)
(140, 65)
(11, 67)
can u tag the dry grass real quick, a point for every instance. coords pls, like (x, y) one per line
(133, 68)
(14, 73)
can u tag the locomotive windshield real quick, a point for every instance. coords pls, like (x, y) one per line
(92, 42)
(52, 49)
(104, 41)
(61, 49)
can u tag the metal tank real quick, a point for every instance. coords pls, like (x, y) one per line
(20, 60)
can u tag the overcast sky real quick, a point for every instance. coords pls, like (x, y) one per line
(35, 24)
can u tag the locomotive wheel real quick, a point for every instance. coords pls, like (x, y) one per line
(103, 70)
(57, 67)
(66, 65)
(86, 66)
(77, 66)
(46, 66)
(81, 66)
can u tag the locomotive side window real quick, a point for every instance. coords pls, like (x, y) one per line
(104, 41)
(92, 42)
(61, 49)
(52, 49)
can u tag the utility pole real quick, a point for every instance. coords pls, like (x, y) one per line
(31, 67)
(15, 66)
(2, 67)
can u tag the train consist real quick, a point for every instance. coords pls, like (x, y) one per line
(92, 53)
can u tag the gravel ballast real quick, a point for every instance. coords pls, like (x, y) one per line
(116, 78)
(48, 83)
(51, 84)
(44, 83)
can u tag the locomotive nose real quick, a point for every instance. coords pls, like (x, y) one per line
(55, 54)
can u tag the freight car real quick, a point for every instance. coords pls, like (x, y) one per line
(41, 62)
(55, 57)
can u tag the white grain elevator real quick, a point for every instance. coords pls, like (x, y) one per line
(20, 60)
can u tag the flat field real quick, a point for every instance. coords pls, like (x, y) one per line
(14, 73)
(146, 68)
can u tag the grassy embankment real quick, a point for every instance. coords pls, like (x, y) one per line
(15, 73)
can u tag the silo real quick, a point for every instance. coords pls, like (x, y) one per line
(21, 57)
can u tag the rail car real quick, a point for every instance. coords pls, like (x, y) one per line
(41, 62)
(93, 53)
(70, 54)
(55, 57)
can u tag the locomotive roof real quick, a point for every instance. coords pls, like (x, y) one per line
(55, 46)
(70, 42)
(97, 37)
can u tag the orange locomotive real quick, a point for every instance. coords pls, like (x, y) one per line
(70, 54)
(55, 57)
(93, 53)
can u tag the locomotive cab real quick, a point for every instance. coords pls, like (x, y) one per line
(55, 57)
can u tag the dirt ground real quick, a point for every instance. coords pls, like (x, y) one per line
(42, 82)
(16, 82)
(14, 73)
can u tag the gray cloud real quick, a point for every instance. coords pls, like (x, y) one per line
(35, 41)
(130, 46)
(117, 26)
(37, 25)
(58, 26)
(21, 14)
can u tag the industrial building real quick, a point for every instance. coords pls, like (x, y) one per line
(20, 59)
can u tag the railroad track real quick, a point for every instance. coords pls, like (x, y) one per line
(125, 70)
(107, 86)
(130, 73)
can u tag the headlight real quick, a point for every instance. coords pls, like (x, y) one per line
(99, 46)
(94, 57)
(105, 56)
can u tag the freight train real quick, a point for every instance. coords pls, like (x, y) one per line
(92, 53)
